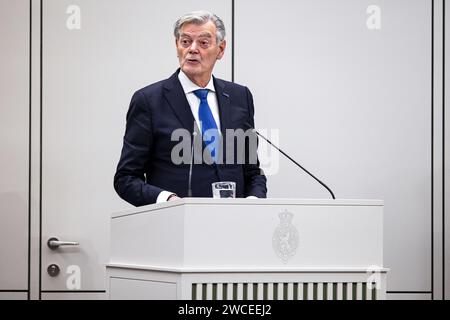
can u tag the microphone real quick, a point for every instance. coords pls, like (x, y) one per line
(194, 134)
(283, 153)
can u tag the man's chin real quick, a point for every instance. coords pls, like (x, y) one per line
(191, 71)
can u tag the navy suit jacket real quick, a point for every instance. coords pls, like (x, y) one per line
(145, 167)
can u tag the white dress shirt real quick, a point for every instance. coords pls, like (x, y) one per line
(194, 102)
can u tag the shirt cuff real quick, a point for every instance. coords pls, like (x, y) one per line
(252, 197)
(163, 196)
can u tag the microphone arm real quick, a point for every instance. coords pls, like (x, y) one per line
(283, 153)
(194, 134)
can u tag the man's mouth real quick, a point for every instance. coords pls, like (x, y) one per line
(192, 61)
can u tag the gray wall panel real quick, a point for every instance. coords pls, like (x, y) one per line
(353, 106)
(13, 296)
(408, 296)
(14, 138)
(446, 152)
(74, 296)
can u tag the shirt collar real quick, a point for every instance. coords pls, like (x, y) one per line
(189, 86)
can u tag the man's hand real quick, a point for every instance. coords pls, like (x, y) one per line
(173, 197)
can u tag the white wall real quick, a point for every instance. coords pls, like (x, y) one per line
(353, 106)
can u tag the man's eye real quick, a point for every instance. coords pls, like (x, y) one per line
(185, 42)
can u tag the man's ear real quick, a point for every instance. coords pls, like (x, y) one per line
(222, 47)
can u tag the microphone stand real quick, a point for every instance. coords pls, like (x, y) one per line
(194, 134)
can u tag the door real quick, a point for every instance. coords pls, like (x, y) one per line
(95, 55)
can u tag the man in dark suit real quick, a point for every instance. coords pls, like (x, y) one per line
(146, 172)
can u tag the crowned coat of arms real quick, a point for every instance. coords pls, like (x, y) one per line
(285, 237)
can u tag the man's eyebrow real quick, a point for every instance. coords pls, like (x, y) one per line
(202, 35)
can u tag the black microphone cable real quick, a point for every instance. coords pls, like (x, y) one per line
(287, 156)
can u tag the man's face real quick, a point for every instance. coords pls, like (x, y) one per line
(198, 50)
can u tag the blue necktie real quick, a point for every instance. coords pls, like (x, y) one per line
(207, 121)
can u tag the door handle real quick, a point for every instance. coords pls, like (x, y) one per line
(54, 243)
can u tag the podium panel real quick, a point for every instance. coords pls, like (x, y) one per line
(196, 248)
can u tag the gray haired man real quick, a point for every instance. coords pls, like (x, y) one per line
(146, 173)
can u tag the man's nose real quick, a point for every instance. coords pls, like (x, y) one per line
(193, 47)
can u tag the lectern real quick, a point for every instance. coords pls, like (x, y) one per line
(255, 249)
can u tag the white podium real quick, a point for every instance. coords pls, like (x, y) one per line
(197, 248)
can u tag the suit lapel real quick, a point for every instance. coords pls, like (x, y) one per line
(177, 100)
(223, 100)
